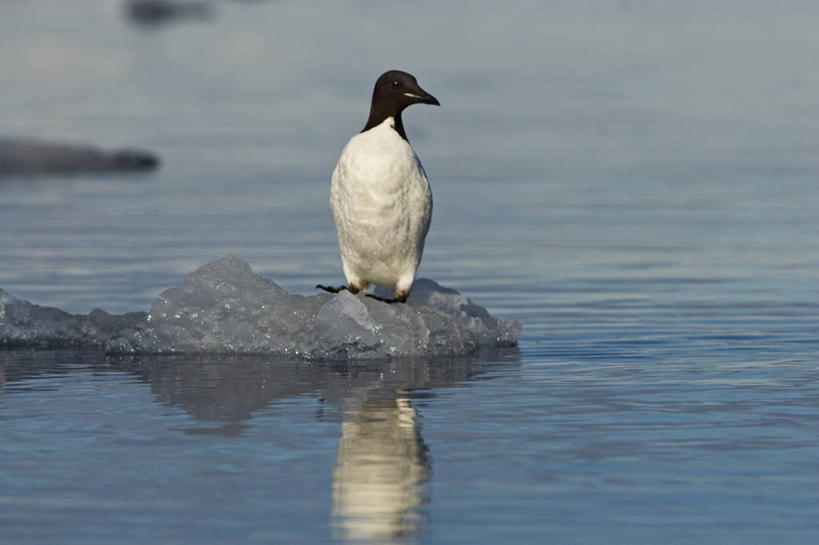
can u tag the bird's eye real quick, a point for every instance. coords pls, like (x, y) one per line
(396, 84)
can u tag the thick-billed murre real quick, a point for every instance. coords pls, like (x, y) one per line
(380, 195)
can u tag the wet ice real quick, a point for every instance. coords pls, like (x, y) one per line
(224, 307)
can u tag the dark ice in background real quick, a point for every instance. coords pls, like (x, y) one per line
(31, 158)
(160, 12)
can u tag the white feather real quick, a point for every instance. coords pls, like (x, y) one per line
(382, 207)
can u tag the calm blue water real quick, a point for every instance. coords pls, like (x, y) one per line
(637, 181)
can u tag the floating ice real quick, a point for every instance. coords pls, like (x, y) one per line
(26, 325)
(26, 157)
(224, 307)
(155, 12)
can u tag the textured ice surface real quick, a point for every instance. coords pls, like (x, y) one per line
(26, 325)
(224, 307)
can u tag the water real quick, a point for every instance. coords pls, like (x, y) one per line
(636, 181)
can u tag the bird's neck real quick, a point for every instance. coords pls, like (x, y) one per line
(377, 117)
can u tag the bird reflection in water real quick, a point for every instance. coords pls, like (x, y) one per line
(381, 472)
(382, 469)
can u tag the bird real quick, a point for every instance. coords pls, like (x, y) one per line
(380, 195)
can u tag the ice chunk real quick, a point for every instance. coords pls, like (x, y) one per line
(224, 307)
(155, 12)
(26, 325)
(26, 157)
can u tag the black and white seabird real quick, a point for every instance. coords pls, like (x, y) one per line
(380, 195)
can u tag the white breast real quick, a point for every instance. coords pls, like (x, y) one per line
(382, 206)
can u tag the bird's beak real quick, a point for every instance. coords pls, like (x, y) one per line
(419, 95)
(429, 99)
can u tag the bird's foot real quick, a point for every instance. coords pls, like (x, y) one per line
(397, 299)
(332, 289)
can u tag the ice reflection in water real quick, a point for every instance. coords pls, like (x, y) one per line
(381, 471)
(378, 478)
(221, 393)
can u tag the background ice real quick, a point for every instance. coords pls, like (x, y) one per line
(32, 157)
(224, 307)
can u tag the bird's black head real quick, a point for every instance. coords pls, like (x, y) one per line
(395, 90)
